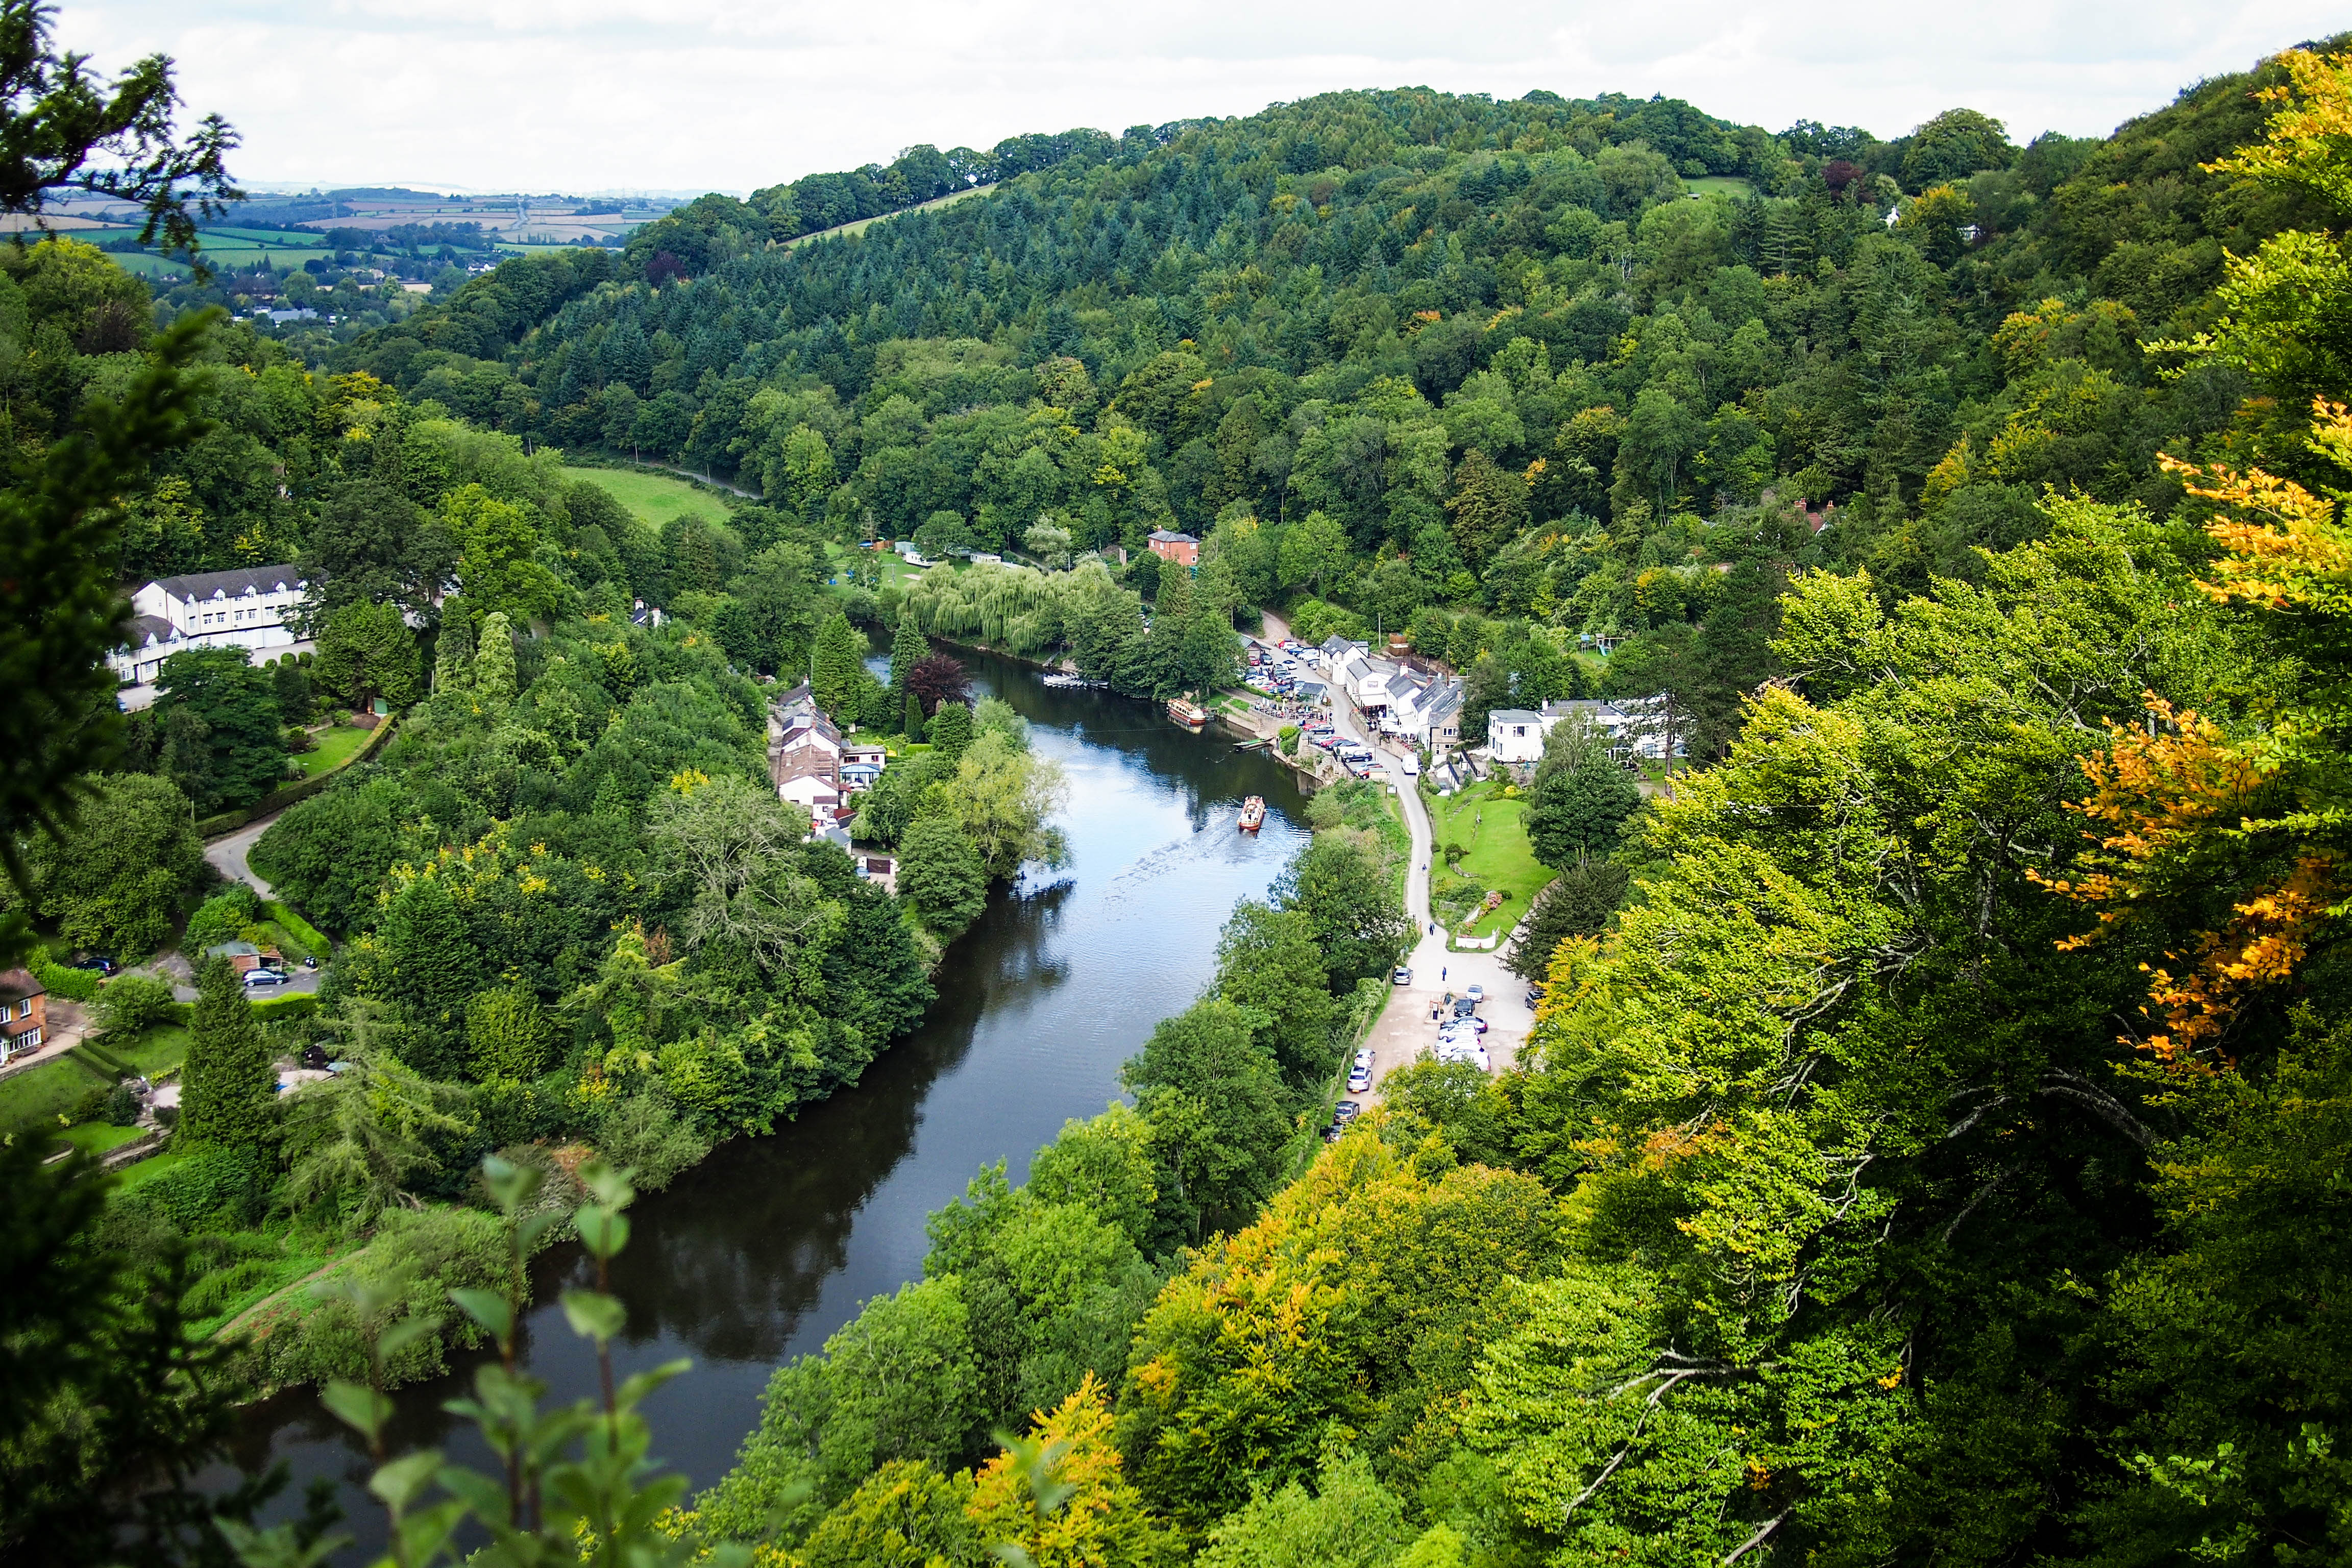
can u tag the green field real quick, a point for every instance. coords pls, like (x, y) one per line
(148, 266)
(1729, 185)
(843, 231)
(655, 498)
(896, 572)
(335, 748)
(270, 237)
(1485, 823)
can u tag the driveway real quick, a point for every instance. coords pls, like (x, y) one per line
(227, 856)
(1408, 1025)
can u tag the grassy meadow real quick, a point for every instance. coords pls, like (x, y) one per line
(655, 498)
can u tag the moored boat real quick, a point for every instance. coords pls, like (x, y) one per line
(1253, 814)
(1185, 712)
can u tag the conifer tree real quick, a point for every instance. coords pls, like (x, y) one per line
(453, 656)
(508, 1034)
(912, 722)
(227, 1082)
(433, 958)
(907, 650)
(834, 669)
(952, 730)
(495, 685)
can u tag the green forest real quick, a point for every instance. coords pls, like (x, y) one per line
(1931, 1144)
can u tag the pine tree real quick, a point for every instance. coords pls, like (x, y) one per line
(227, 1085)
(507, 1034)
(434, 963)
(494, 685)
(907, 650)
(912, 722)
(952, 730)
(453, 656)
(834, 669)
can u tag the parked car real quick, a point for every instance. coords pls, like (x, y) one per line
(1400, 975)
(309, 963)
(92, 961)
(1360, 1079)
(1346, 1110)
(1476, 993)
(1535, 996)
(261, 979)
(1464, 1007)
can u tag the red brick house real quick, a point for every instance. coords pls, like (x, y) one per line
(1180, 548)
(23, 1013)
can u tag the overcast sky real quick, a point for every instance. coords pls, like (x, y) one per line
(696, 95)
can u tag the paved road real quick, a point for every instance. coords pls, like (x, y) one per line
(227, 854)
(1408, 1026)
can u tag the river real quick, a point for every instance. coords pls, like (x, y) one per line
(772, 1244)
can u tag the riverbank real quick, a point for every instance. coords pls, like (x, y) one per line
(772, 1243)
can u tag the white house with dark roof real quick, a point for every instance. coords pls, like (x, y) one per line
(246, 607)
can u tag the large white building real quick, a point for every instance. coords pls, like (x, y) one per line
(1641, 726)
(244, 608)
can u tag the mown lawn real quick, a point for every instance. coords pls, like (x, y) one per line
(37, 1097)
(97, 1137)
(896, 572)
(153, 1053)
(1487, 823)
(655, 498)
(336, 743)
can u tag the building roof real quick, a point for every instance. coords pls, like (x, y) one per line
(1512, 716)
(234, 584)
(1336, 645)
(818, 781)
(800, 727)
(15, 984)
(144, 630)
(1163, 536)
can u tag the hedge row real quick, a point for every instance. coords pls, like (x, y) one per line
(302, 789)
(302, 1006)
(73, 985)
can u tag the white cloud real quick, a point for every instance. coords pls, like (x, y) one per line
(722, 94)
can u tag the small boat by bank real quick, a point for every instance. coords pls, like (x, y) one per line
(1190, 714)
(1253, 814)
(1062, 680)
(1260, 744)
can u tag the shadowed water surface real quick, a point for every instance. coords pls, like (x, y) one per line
(772, 1244)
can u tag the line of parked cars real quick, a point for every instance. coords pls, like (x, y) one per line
(1459, 1029)
(1277, 673)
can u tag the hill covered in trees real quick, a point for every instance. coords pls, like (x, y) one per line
(1609, 368)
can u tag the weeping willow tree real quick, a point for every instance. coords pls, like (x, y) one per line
(1016, 608)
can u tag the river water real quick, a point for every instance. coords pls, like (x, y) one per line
(772, 1244)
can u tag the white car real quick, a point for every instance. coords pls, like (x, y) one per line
(1476, 993)
(1359, 1079)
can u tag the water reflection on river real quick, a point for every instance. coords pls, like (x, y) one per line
(772, 1244)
